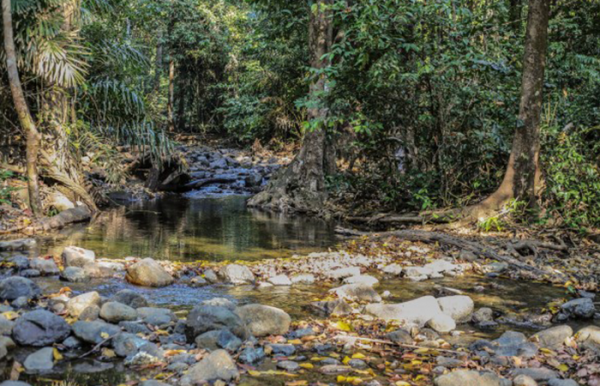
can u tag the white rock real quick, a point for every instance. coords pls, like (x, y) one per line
(357, 292)
(393, 269)
(76, 305)
(281, 280)
(459, 307)
(342, 273)
(362, 279)
(59, 201)
(418, 311)
(236, 274)
(77, 257)
(442, 323)
(303, 279)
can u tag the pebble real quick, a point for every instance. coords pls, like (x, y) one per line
(288, 365)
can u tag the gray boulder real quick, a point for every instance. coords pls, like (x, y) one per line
(40, 328)
(483, 315)
(217, 366)
(90, 314)
(40, 361)
(210, 276)
(220, 302)
(357, 292)
(17, 245)
(77, 257)
(130, 298)
(334, 307)
(20, 262)
(580, 308)
(280, 280)
(589, 337)
(15, 287)
(228, 341)
(156, 316)
(74, 275)
(153, 383)
(562, 382)
(236, 274)
(126, 344)
(76, 305)
(459, 307)
(6, 326)
(207, 318)
(264, 320)
(514, 344)
(537, 374)
(471, 378)
(524, 380)
(30, 273)
(148, 273)
(442, 323)
(418, 273)
(418, 311)
(115, 312)
(553, 337)
(94, 332)
(46, 267)
(400, 336)
(289, 366)
(209, 340)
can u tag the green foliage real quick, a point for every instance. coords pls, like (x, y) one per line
(572, 178)
(5, 191)
(267, 76)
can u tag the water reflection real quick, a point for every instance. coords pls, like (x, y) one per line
(177, 228)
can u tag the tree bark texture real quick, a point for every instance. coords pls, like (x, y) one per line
(27, 123)
(301, 185)
(522, 174)
(171, 97)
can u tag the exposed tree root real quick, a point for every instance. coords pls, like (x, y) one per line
(443, 238)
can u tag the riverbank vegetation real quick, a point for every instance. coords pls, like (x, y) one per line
(396, 106)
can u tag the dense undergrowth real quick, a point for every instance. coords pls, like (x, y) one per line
(422, 98)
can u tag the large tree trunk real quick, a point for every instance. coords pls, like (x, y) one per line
(301, 185)
(522, 174)
(32, 134)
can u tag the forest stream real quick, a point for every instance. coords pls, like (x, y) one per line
(221, 229)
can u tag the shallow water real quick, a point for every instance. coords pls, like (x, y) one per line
(218, 229)
(185, 229)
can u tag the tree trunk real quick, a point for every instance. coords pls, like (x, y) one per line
(32, 134)
(158, 63)
(301, 185)
(515, 12)
(171, 101)
(181, 99)
(522, 174)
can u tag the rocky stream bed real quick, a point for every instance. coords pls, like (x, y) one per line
(420, 316)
